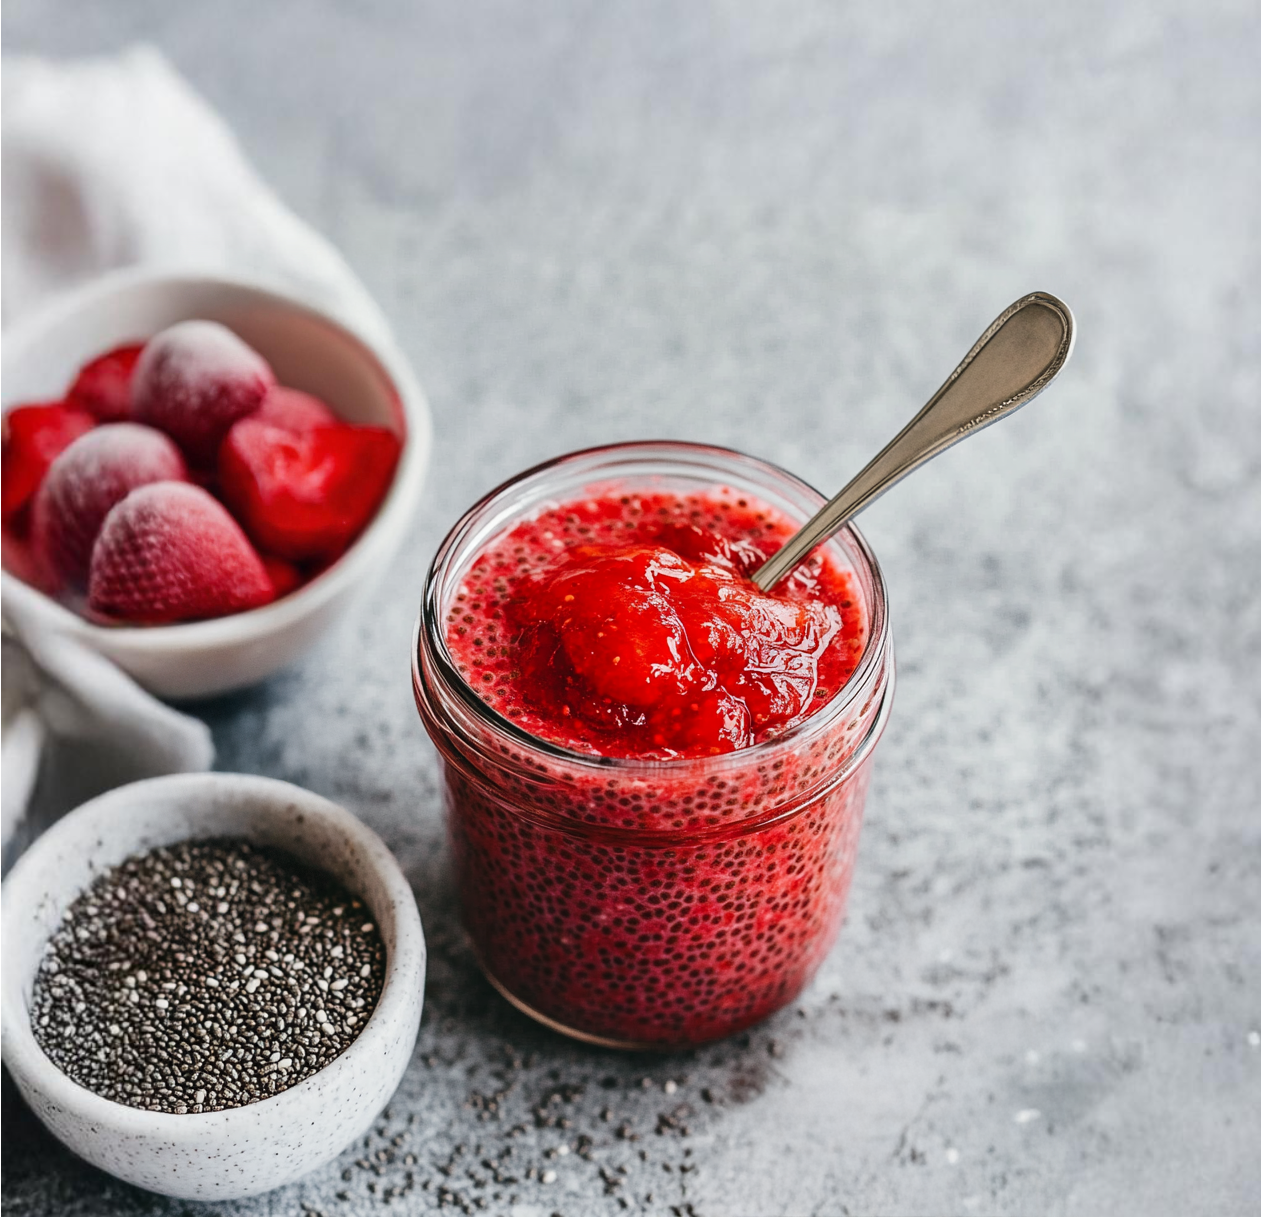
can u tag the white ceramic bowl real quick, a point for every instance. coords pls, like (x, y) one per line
(362, 382)
(223, 1154)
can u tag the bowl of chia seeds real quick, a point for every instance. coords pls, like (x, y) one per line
(212, 982)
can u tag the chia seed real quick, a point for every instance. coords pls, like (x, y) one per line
(206, 975)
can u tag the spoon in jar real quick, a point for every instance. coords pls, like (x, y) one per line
(1012, 362)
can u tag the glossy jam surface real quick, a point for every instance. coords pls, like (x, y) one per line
(626, 625)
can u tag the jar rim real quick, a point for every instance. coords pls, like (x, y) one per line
(429, 633)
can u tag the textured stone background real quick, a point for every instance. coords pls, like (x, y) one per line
(777, 227)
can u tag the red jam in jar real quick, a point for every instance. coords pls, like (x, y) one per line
(655, 771)
(626, 625)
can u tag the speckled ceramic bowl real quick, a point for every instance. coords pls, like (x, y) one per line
(362, 381)
(224, 1154)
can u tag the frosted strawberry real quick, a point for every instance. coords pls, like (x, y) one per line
(305, 495)
(194, 381)
(33, 437)
(86, 480)
(294, 410)
(170, 552)
(103, 386)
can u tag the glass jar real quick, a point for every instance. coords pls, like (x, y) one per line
(649, 903)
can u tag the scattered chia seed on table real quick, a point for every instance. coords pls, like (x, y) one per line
(206, 975)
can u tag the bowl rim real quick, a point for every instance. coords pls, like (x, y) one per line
(253, 624)
(31, 1065)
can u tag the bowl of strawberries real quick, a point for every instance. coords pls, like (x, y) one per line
(200, 475)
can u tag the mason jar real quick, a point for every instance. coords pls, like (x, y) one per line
(649, 903)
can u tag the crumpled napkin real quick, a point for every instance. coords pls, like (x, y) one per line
(114, 162)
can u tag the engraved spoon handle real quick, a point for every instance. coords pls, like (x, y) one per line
(1011, 363)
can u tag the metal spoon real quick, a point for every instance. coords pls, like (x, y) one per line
(1012, 362)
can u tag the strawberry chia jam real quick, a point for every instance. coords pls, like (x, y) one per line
(655, 772)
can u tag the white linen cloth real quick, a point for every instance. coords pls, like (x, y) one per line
(114, 162)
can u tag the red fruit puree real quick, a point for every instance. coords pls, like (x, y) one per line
(627, 626)
(619, 899)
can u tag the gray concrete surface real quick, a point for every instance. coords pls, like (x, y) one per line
(776, 227)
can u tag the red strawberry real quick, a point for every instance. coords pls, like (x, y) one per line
(19, 558)
(194, 381)
(86, 480)
(33, 436)
(305, 495)
(103, 386)
(294, 410)
(284, 576)
(169, 552)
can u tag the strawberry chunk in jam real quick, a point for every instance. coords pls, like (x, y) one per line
(666, 654)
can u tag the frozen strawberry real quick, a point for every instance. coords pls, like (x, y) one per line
(19, 558)
(295, 410)
(194, 381)
(86, 480)
(103, 387)
(284, 576)
(305, 495)
(33, 436)
(169, 552)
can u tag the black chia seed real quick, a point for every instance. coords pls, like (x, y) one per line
(206, 975)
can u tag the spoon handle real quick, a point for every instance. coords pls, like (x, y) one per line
(1011, 363)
